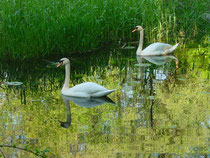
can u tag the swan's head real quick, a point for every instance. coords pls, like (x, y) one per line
(138, 28)
(63, 61)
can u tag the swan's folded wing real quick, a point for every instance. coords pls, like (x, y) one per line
(156, 49)
(102, 93)
(88, 87)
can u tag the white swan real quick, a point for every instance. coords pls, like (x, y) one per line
(88, 89)
(155, 48)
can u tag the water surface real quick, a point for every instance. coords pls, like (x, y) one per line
(159, 110)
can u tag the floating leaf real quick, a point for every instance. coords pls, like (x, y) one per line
(13, 83)
(129, 47)
(143, 65)
(134, 42)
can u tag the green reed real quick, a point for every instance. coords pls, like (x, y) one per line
(30, 29)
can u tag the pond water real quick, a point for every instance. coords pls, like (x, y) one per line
(160, 108)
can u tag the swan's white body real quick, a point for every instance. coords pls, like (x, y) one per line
(155, 48)
(87, 90)
(158, 49)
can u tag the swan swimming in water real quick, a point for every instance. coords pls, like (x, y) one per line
(155, 48)
(88, 89)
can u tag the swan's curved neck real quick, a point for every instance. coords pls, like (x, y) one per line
(139, 50)
(67, 77)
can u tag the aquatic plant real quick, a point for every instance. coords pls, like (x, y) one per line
(30, 29)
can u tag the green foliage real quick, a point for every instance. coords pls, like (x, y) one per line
(34, 28)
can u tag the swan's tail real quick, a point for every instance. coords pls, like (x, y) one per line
(172, 48)
(104, 93)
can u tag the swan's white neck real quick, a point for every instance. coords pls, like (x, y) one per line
(67, 77)
(139, 50)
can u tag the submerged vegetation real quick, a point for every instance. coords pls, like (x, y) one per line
(30, 29)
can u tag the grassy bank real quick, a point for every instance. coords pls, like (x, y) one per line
(34, 28)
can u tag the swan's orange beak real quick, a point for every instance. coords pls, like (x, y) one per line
(134, 30)
(60, 64)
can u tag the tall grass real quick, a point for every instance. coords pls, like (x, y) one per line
(34, 28)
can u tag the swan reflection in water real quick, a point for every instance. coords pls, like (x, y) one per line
(162, 71)
(157, 60)
(83, 102)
